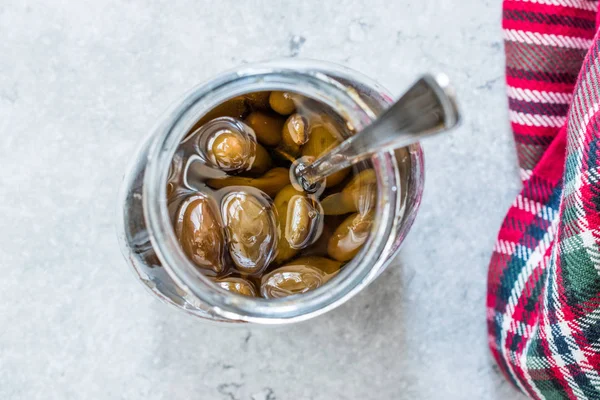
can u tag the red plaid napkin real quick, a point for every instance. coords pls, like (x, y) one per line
(544, 277)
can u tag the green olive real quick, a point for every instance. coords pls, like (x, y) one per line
(266, 127)
(282, 103)
(251, 231)
(350, 236)
(326, 265)
(321, 140)
(290, 280)
(237, 285)
(284, 156)
(281, 203)
(200, 233)
(234, 108)
(294, 134)
(319, 247)
(366, 177)
(228, 150)
(258, 100)
(304, 220)
(270, 183)
(359, 195)
(262, 161)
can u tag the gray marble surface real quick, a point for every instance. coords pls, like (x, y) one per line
(82, 81)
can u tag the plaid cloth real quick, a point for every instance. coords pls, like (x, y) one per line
(544, 277)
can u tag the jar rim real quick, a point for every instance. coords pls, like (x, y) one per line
(303, 77)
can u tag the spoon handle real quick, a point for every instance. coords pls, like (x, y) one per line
(427, 108)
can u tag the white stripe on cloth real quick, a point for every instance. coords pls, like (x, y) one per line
(525, 204)
(545, 39)
(536, 119)
(535, 207)
(536, 96)
(588, 5)
(505, 247)
(523, 252)
(525, 174)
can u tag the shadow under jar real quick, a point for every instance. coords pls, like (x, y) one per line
(172, 174)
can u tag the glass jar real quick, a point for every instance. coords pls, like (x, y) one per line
(146, 234)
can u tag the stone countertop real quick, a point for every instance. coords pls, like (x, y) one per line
(82, 82)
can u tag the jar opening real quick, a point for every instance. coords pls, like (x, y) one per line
(179, 122)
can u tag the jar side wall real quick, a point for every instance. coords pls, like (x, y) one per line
(408, 160)
(136, 247)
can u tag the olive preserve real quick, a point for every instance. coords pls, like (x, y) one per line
(235, 212)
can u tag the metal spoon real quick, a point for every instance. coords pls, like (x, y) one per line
(427, 108)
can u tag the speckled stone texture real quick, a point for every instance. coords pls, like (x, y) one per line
(81, 82)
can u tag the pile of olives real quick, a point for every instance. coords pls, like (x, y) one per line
(237, 216)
